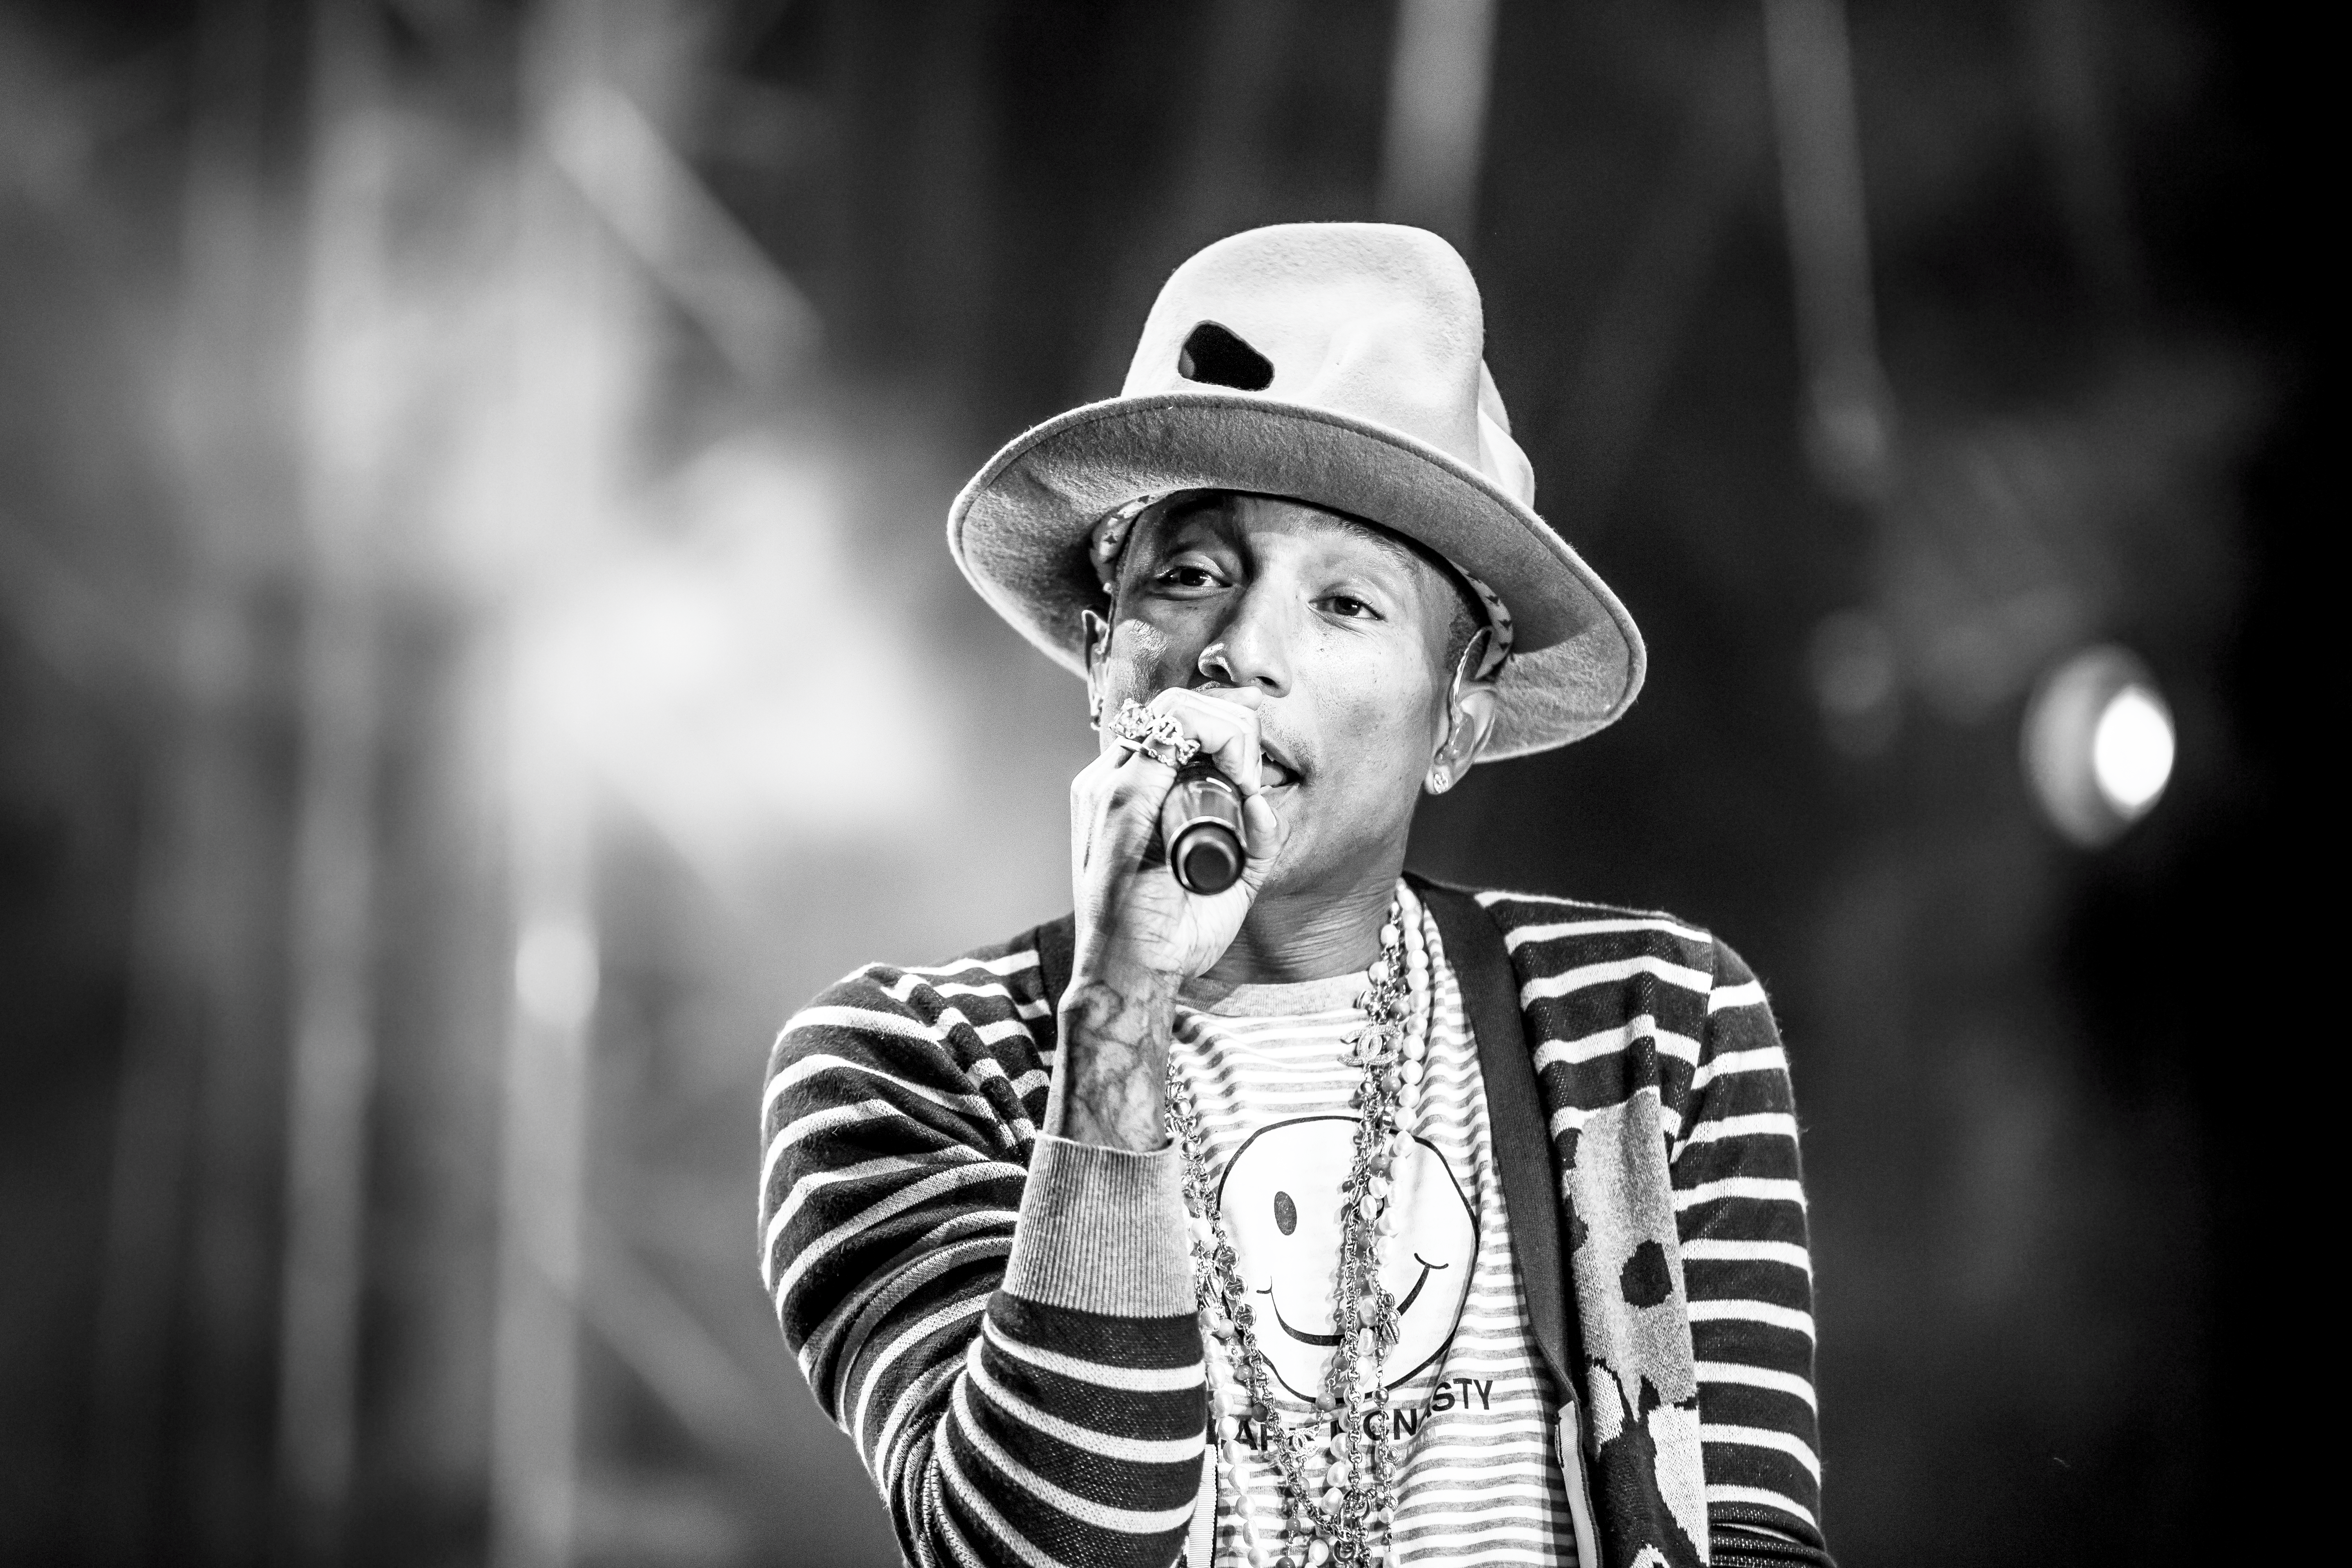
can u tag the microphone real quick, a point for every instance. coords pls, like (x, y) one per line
(1201, 825)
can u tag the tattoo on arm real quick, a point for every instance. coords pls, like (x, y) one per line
(1109, 1077)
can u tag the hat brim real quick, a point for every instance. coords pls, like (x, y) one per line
(1019, 531)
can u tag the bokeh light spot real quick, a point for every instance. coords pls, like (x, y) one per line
(2131, 749)
(2099, 744)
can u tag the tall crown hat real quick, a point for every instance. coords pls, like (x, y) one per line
(1339, 364)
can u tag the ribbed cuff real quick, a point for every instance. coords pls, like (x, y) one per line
(1102, 1230)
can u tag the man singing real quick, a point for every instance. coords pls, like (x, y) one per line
(1336, 1216)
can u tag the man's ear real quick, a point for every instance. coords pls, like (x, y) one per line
(1470, 713)
(1098, 634)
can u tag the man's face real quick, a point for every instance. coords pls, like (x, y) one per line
(1341, 630)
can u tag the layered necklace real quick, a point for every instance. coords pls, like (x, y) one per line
(1338, 1481)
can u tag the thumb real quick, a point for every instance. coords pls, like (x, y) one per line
(1264, 832)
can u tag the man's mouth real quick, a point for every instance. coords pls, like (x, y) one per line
(1276, 772)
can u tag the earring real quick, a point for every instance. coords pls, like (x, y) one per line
(1441, 779)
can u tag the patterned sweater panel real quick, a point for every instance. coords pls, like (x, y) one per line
(1631, 1013)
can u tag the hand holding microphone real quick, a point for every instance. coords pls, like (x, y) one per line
(1202, 823)
(1171, 834)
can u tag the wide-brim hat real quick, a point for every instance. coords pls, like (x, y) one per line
(1337, 364)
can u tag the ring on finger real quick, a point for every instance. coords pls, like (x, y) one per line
(1157, 735)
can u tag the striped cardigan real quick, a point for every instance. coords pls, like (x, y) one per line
(1003, 1320)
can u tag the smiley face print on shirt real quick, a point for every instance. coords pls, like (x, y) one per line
(1280, 1198)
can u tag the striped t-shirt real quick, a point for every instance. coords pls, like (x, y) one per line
(1479, 1483)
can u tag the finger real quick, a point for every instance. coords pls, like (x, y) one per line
(1107, 798)
(1088, 787)
(1248, 697)
(1224, 721)
(1086, 793)
(1263, 829)
(1128, 812)
(1089, 783)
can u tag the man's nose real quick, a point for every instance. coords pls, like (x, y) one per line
(1253, 647)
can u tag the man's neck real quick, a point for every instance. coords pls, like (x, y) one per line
(1310, 934)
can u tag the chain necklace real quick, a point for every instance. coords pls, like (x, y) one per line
(1344, 1513)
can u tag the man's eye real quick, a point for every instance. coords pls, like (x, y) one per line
(1188, 577)
(1352, 608)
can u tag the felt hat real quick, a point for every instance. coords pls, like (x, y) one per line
(1334, 363)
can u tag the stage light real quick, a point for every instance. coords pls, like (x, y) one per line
(2098, 744)
(2131, 751)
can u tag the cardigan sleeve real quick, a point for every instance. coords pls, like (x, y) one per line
(1001, 1321)
(1739, 1203)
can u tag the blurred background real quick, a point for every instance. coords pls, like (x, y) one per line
(477, 650)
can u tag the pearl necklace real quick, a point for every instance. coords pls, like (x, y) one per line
(1346, 1518)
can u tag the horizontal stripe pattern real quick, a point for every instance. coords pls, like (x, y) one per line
(1728, 1116)
(898, 1140)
